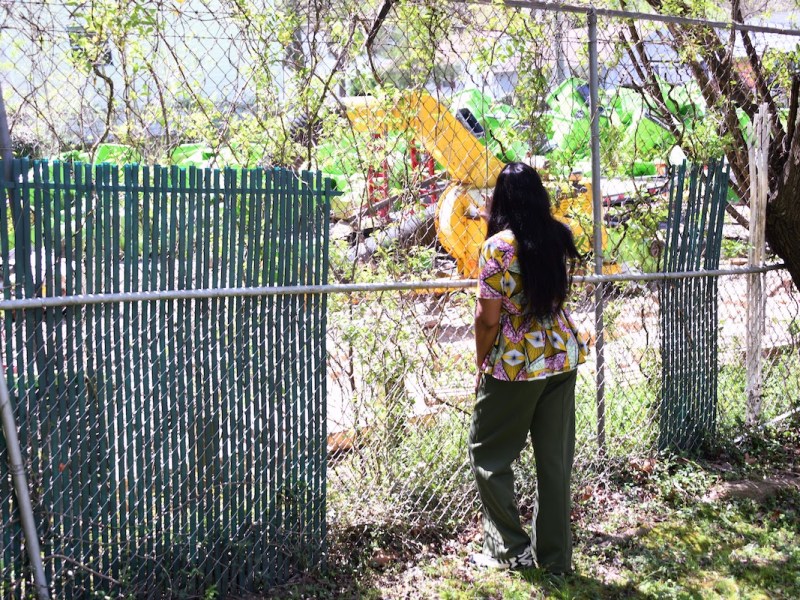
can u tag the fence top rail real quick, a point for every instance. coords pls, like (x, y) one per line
(340, 288)
(640, 16)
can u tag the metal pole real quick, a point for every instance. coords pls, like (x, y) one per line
(7, 415)
(343, 288)
(597, 210)
(548, 5)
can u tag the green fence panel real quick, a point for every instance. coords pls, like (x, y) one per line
(173, 446)
(689, 320)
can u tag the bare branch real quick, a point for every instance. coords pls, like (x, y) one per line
(758, 75)
(109, 109)
(378, 23)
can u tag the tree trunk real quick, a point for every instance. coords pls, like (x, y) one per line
(783, 214)
(783, 232)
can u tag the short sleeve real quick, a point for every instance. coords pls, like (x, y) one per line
(490, 264)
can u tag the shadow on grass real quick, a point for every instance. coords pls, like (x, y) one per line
(729, 549)
(579, 586)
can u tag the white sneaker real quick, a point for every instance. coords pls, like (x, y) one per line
(484, 561)
(524, 560)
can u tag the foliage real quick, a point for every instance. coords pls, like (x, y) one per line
(267, 90)
(660, 526)
(636, 234)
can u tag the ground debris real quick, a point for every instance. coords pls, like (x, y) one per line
(758, 490)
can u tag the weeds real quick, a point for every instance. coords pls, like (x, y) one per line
(658, 527)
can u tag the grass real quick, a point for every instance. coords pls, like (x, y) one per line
(723, 527)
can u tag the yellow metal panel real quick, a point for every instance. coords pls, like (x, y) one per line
(442, 135)
(450, 143)
(459, 227)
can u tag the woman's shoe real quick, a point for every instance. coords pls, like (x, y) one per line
(524, 560)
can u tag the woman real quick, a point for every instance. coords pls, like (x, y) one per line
(527, 350)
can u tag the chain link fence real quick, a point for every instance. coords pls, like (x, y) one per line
(171, 418)
(410, 108)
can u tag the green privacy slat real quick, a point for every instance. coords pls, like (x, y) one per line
(40, 409)
(267, 439)
(177, 344)
(212, 442)
(675, 219)
(172, 522)
(318, 439)
(90, 457)
(189, 366)
(154, 354)
(24, 275)
(276, 258)
(289, 368)
(22, 265)
(305, 374)
(304, 358)
(203, 322)
(143, 419)
(76, 255)
(282, 250)
(117, 373)
(249, 336)
(55, 397)
(132, 382)
(106, 408)
(165, 359)
(720, 182)
(226, 333)
(719, 221)
(236, 397)
(684, 247)
(246, 400)
(321, 340)
(259, 449)
(240, 398)
(223, 500)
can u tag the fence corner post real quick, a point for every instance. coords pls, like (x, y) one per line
(597, 211)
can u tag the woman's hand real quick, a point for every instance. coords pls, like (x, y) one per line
(478, 377)
(487, 325)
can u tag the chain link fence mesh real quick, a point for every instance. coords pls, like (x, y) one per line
(411, 107)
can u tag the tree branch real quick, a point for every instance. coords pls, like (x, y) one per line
(758, 74)
(645, 71)
(791, 121)
(378, 23)
(109, 109)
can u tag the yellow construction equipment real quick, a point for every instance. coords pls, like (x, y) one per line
(473, 168)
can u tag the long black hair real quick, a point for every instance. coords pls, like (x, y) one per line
(544, 245)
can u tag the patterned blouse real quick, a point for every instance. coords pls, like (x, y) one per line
(525, 348)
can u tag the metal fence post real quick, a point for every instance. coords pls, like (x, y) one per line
(597, 211)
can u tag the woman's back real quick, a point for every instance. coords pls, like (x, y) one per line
(527, 346)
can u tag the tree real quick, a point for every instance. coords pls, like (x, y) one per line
(727, 95)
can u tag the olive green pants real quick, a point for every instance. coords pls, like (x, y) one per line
(505, 412)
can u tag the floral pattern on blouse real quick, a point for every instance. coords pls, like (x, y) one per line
(526, 348)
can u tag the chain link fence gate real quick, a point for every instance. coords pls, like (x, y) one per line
(387, 99)
(173, 443)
